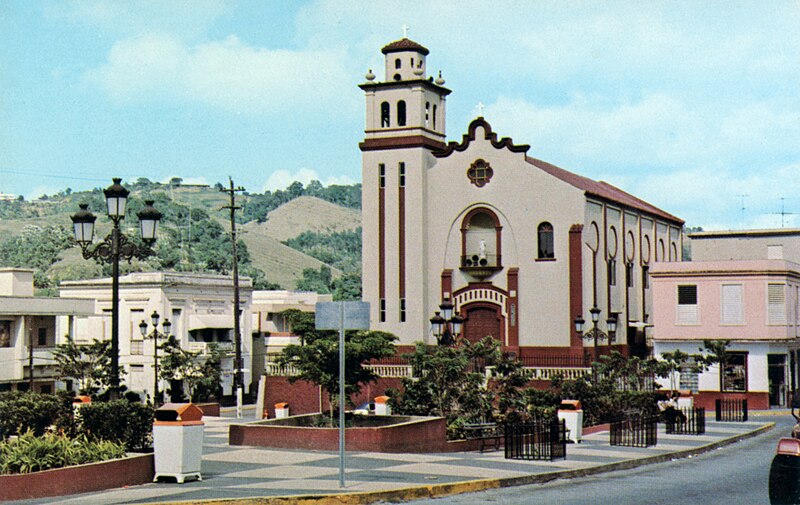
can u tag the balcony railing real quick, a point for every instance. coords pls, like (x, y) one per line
(481, 266)
(202, 347)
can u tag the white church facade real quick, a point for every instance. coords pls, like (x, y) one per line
(520, 247)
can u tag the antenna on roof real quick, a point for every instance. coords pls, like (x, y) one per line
(783, 212)
(743, 208)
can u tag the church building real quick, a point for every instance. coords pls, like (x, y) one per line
(520, 248)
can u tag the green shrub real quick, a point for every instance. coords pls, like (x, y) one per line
(23, 411)
(120, 421)
(31, 453)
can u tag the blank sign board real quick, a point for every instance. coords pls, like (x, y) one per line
(342, 315)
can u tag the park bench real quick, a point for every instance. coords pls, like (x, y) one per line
(487, 433)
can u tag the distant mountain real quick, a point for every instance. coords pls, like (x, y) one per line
(190, 232)
(306, 214)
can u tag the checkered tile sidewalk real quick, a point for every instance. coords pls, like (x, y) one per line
(241, 471)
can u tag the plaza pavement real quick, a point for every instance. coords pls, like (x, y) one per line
(245, 475)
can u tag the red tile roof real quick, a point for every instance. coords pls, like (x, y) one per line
(404, 45)
(601, 189)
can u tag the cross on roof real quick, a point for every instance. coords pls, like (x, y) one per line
(405, 28)
(480, 109)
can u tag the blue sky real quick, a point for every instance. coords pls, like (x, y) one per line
(692, 106)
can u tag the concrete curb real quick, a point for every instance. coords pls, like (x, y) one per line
(471, 486)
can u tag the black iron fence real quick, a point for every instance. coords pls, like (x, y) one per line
(539, 440)
(635, 431)
(731, 410)
(686, 421)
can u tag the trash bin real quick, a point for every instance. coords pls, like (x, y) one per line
(79, 402)
(382, 407)
(281, 410)
(178, 441)
(571, 413)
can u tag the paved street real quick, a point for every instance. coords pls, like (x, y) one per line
(239, 472)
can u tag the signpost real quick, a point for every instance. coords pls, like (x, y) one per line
(342, 316)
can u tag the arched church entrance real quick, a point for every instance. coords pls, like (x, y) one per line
(483, 320)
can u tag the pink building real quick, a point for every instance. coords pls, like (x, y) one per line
(750, 295)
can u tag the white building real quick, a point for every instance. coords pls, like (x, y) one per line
(30, 327)
(199, 306)
(519, 246)
(271, 325)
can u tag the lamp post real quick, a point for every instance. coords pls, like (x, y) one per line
(115, 246)
(155, 335)
(595, 333)
(445, 325)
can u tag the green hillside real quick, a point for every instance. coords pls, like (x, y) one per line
(194, 233)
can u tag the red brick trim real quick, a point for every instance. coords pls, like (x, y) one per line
(401, 237)
(130, 471)
(470, 136)
(447, 284)
(384, 143)
(381, 243)
(513, 310)
(575, 282)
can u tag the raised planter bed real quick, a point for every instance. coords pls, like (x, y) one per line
(209, 409)
(372, 433)
(129, 471)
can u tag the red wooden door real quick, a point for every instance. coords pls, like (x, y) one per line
(481, 322)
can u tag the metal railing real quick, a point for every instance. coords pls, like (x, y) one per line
(538, 440)
(692, 423)
(731, 410)
(635, 431)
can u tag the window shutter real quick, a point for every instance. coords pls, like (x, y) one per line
(776, 304)
(732, 304)
(687, 304)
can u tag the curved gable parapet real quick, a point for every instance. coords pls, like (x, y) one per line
(471, 136)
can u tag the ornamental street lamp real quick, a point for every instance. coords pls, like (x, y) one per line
(155, 335)
(115, 246)
(445, 325)
(595, 333)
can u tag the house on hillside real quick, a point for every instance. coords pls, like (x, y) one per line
(518, 246)
(30, 328)
(742, 286)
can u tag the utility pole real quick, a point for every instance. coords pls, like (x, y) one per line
(238, 379)
(30, 354)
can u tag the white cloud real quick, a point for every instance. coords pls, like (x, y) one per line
(281, 179)
(228, 74)
(714, 199)
(186, 18)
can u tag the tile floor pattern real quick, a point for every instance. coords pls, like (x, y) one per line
(241, 471)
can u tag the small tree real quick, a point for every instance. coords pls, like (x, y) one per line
(318, 359)
(89, 365)
(449, 382)
(200, 375)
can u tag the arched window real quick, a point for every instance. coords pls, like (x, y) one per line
(480, 239)
(397, 63)
(427, 113)
(546, 247)
(401, 113)
(434, 117)
(385, 114)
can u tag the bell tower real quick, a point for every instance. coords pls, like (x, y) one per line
(405, 124)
